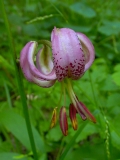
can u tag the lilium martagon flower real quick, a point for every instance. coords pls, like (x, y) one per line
(72, 54)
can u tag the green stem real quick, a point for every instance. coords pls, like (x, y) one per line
(72, 141)
(60, 148)
(20, 83)
(64, 92)
(70, 92)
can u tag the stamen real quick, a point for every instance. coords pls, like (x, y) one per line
(72, 114)
(54, 118)
(63, 121)
(80, 107)
(64, 92)
(71, 92)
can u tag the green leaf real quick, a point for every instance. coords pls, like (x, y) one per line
(115, 139)
(110, 28)
(88, 130)
(115, 131)
(28, 28)
(81, 28)
(87, 151)
(12, 156)
(6, 64)
(116, 78)
(5, 146)
(113, 100)
(72, 141)
(83, 10)
(117, 68)
(14, 17)
(15, 124)
(116, 75)
(108, 85)
(54, 134)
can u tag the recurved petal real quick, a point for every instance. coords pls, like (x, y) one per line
(68, 57)
(72, 114)
(42, 83)
(44, 61)
(25, 66)
(24, 61)
(33, 68)
(88, 49)
(63, 121)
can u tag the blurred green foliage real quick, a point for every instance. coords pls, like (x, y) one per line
(99, 88)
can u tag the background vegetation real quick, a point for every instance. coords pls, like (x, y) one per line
(99, 88)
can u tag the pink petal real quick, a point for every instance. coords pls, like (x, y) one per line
(25, 66)
(68, 57)
(42, 83)
(88, 50)
(24, 62)
(33, 68)
(44, 60)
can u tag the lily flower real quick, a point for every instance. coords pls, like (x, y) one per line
(72, 54)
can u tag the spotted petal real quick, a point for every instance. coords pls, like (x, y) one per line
(68, 57)
(88, 49)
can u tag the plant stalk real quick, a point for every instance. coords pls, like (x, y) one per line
(20, 82)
